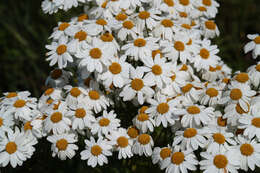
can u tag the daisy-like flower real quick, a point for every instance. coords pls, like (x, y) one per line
(210, 95)
(167, 6)
(238, 93)
(159, 154)
(95, 56)
(247, 152)
(137, 86)
(141, 47)
(208, 8)
(9, 97)
(162, 110)
(62, 30)
(143, 145)
(127, 28)
(96, 152)
(165, 29)
(133, 132)
(95, 98)
(95, 27)
(75, 95)
(253, 45)
(15, 148)
(251, 124)
(58, 78)
(158, 71)
(190, 138)
(184, 5)
(68, 4)
(59, 53)
(210, 29)
(49, 96)
(49, 6)
(218, 139)
(109, 42)
(6, 120)
(206, 56)
(241, 77)
(117, 73)
(122, 142)
(180, 161)
(144, 122)
(254, 74)
(105, 124)
(57, 120)
(191, 91)
(220, 162)
(63, 145)
(195, 114)
(82, 117)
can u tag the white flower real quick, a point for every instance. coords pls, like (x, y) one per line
(254, 45)
(109, 42)
(62, 30)
(75, 95)
(49, 6)
(180, 161)
(210, 29)
(254, 74)
(35, 126)
(6, 120)
(191, 91)
(208, 8)
(95, 27)
(147, 19)
(144, 122)
(58, 78)
(96, 152)
(168, 6)
(122, 142)
(59, 53)
(143, 145)
(210, 95)
(105, 124)
(165, 29)
(159, 154)
(127, 28)
(63, 145)
(137, 86)
(15, 148)
(220, 162)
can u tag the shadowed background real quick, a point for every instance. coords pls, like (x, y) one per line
(24, 31)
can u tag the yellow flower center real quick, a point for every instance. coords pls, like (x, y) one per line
(193, 110)
(139, 42)
(75, 92)
(107, 37)
(61, 49)
(104, 122)
(184, 2)
(220, 161)
(257, 40)
(94, 95)
(165, 152)
(170, 3)
(128, 24)
(56, 106)
(115, 68)
(155, 52)
(11, 147)
(96, 150)
(144, 139)
(177, 158)
(257, 67)
(186, 88)
(246, 149)
(101, 22)
(242, 77)
(11, 94)
(210, 25)
(226, 80)
(186, 26)
(142, 117)
(212, 92)
(163, 108)
(95, 53)
(222, 122)
(184, 67)
(190, 132)
(27, 126)
(167, 23)
(173, 77)
(235, 94)
(104, 5)
(143, 109)
(204, 53)
(137, 84)
(81, 35)
(183, 14)
(80, 113)
(122, 142)
(63, 26)
(256, 122)
(157, 70)
(132, 132)
(19, 103)
(189, 42)
(179, 46)
(82, 17)
(1, 121)
(49, 91)
(201, 8)
(240, 110)
(62, 144)
(144, 15)
(121, 17)
(55, 74)
(219, 138)
(207, 2)
(56, 117)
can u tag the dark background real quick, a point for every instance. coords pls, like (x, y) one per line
(24, 32)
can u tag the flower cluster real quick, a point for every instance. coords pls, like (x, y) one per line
(155, 56)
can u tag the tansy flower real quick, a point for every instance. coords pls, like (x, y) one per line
(210, 95)
(165, 29)
(253, 45)
(210, 29)
(96, 152)
(207, 8)
(127, 28)
(62, 30)
(63, 145)
(144, 122)
(143, 145)
(159, 154)
(168, 6)
(75, 95)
